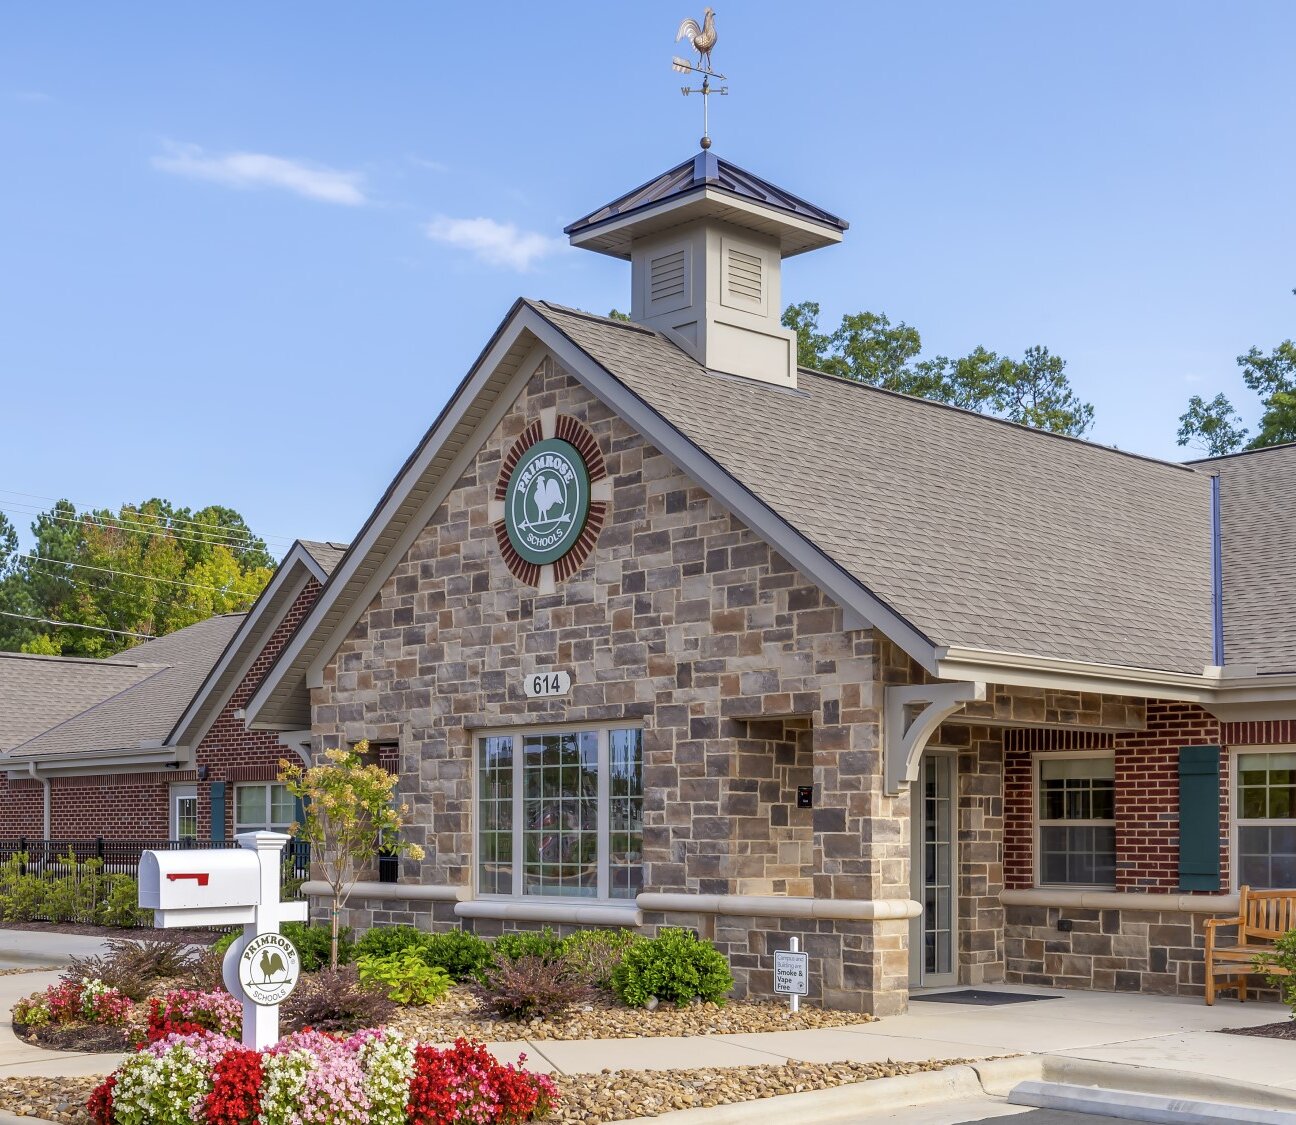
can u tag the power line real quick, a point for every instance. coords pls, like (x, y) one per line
(172, 519)
(75, 625)
(143, 529)
(123, 573)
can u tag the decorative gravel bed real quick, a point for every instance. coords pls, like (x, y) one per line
(30, 969)
(608, 1096)
(458, 1013)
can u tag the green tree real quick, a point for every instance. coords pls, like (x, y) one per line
(868, 348)
(1213, 426)
(350, 814)
(147, 568)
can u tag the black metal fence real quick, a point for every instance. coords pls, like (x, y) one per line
(74, 865)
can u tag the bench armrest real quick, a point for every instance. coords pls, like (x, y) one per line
(1211, 923)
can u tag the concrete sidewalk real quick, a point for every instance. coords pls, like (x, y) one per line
(22, 949)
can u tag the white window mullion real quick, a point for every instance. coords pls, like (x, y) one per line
(604, 818)
(519, 838)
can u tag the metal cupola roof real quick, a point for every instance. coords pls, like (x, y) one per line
(706, 186)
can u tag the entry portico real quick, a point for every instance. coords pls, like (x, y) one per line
(914, 685)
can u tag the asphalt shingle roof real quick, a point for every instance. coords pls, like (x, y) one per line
(36, 692)
(168, 670)
(328, 555)
(981, 533)
(1258, 538)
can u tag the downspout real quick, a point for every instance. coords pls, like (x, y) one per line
(45, 783)
(1217, 578)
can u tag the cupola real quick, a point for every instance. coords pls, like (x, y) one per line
(706, 242)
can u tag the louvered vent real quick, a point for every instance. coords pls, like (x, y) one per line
(745, 279)
(666, 277)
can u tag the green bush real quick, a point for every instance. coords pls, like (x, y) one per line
(544, 944)
(595, 954)
(461, 954)
(531, 986)
(383, 941)
(675, 966)
(405, 977)
(119, 903)
(313, 944)
(1283, 957)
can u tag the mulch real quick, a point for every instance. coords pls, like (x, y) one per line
(1284, 1030)
(189, 937)
(94, 1038)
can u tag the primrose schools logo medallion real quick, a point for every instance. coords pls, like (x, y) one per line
(268, 969)
(547, 501)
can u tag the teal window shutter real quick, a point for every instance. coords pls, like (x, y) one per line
(1199, 818)
(218, 811)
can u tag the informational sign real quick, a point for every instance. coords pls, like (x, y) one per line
(791, 973)
(543, 685)
(269, 969)
(805, 796)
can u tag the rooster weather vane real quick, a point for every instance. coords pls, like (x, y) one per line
(703, 39)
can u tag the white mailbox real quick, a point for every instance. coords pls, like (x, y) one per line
(200, 886)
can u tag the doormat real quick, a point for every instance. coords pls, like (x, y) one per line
(981, 997)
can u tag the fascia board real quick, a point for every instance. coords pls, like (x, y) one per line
(454, 412)
(857, 601)
(194, 724)
(97, 762)
(1023, 670)
(423, 516)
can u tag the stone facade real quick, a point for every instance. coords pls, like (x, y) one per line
(685, 622)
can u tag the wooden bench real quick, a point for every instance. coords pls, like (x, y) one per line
(1263, 917)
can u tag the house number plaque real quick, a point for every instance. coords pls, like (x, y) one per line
(544, 685)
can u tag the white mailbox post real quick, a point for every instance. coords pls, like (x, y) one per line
(226, 887)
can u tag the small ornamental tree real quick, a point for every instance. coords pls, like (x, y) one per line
(349, 815)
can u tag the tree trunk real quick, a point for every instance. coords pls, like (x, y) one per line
(337, 913)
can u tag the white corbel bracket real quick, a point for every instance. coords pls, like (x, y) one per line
(903, 745)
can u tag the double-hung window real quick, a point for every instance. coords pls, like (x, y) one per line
(264, 806)
(1076, 818)
(1266, 818)
(560, 813)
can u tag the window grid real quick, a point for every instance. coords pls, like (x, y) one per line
(1266, 819)
(265, 806)
(1075, 820)
(566, 806)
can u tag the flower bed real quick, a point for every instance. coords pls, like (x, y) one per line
(75, 1013)
(373, 1077)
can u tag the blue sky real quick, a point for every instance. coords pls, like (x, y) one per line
(247, 250)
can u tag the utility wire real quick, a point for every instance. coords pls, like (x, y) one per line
(123, 573)
(173, 519)
(158, 530)
(74, 625)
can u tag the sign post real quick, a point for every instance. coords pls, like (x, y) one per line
(221, 887)
(792, 973)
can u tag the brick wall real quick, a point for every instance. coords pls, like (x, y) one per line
(682, 619)
(1147, 793)
(233, 753)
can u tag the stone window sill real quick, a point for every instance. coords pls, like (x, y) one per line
(588, 913)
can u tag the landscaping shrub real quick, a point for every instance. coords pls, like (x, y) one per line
(135, 965)
(530, 986)
(1283, 957)
(405, 977)
(459, 953)
(335, 1001)
(675, 966)
(597, 953)
(544, 944)
(311, 942)
(383, 941)
(120, 905)
(74, 1001)
(207, 972)
(82, 894)
(186, 1012)
(374, 1077)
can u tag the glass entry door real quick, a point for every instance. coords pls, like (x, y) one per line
(933, 935)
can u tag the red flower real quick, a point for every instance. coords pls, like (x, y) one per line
(235, 1097)
(467, 1083)
(100, 1102)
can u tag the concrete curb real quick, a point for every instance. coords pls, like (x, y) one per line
(1167, 1083)
(840, 1103)
(1158, 1108)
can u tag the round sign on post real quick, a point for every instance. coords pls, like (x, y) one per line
(547, 501)
(268, 969)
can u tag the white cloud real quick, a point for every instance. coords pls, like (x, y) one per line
(258, 170)
(496, 244)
